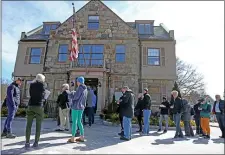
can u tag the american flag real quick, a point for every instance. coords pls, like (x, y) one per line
(74, 50)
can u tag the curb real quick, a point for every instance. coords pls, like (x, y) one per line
(106, 123)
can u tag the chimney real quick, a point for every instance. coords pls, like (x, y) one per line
(171, 33)
(23, 35)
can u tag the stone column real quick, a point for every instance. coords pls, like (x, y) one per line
(101, 97)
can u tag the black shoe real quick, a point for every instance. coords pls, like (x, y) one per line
(59, 130)
(121, 133)
(207, 137)
(181, 136)
(123, 138)
(4, 134)
(222, 136)
(35, 145)
(139, 131)
(187, 135)
(159, 130)
(165, 131)
(27, 145)
(66, 129)
(10, 135)
(176, 136)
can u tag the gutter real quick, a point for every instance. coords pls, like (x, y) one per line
(140, 67)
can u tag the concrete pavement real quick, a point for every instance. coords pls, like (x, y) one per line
(104, 139)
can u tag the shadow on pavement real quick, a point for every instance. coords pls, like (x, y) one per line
(201, 141)
(156, 133)
(168, 141)
(41, 139)
(218, 140)
(23, 150)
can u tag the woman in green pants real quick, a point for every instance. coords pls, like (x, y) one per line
(78, 102)
(35, 108)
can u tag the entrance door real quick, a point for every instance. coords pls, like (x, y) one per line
(93, 83)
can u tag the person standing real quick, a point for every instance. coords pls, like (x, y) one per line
(63, 102)
(205, 109)
(90, 108)
(218, 110)
(146, 111)
(177, 106)
(79, 99)
(35, 108)
(94, 102)
(127, 103)
(12, 103)
(187, 113)
(164, 112)
(197, 117)
(138, 111)
(121, 110)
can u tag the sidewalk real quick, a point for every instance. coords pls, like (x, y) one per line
(214, 124)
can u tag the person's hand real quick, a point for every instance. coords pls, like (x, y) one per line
(171, 106)
(118, 102)
(199, 108)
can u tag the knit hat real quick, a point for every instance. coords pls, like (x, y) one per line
(80, 79)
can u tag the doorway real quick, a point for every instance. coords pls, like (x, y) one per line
(93, 83)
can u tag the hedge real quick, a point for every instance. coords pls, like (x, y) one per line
(21, 112)
(154, 120)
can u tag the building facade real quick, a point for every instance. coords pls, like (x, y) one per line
(112, 53)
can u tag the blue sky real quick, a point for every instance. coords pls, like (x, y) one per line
(199, 29)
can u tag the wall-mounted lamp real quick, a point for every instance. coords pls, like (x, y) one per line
(99, 84)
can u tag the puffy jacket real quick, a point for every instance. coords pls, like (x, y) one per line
(177, 105)
(127, 104)
(147, 101)
(63, 100)
(13, 95)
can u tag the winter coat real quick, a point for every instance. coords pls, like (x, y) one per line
(127, 104)
(165, 110)
(63, 100)
(206, 110)
(147, 101)
(186, 111)
(139, 107)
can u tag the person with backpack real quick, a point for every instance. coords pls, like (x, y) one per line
(187, 113)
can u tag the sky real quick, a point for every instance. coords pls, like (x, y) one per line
(198, 26)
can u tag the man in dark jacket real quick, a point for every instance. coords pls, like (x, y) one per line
(197, 118)
(187, 118)
(12, 103)
(177, 106)
(164, 112)
(127, 103)
(219, 109)
(146, 111)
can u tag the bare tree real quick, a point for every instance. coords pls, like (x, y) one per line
(4, 84)
(188, 78)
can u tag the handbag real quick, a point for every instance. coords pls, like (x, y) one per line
(137, 112)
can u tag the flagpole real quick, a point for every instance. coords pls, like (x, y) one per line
(71, 62)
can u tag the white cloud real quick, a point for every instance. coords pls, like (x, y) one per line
(199, 31)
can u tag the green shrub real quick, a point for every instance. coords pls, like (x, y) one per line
(112, 107)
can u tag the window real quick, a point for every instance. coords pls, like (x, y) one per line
(144, 28)
(153, 56)
(93, 55)
(93, 22)
(63, 53)
(48, 27)
(53, 27)
(120, 53)
(35, 56)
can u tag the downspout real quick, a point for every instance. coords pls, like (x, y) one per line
(45, 57)
(140, 67)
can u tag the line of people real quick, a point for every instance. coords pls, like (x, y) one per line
(180, 109)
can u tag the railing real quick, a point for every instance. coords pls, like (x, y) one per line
(51, 109)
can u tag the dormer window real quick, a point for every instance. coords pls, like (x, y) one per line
(48, 27)
(144, 28)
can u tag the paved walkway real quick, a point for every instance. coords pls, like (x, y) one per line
(104, 139)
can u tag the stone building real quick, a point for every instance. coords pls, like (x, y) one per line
(113, 53)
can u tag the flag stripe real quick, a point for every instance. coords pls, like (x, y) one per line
(74, 50)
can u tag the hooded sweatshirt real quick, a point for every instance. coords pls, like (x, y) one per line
(79, 98)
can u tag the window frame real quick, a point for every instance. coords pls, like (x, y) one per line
(149, 56)
(31, 56)
(120, 53)
(145, 29)
(89, 59)
(93, 22)
(59, 53)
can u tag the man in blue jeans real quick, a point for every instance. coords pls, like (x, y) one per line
(177, 106)
(12, 102)
(127, 103)
(146, 111)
